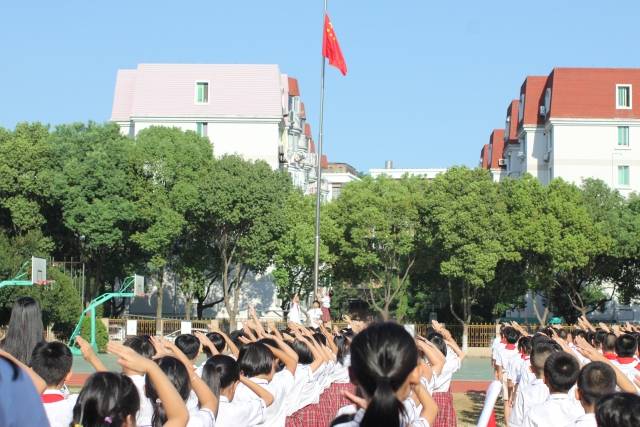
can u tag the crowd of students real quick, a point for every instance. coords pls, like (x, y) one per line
(582, 376)
(374, 374)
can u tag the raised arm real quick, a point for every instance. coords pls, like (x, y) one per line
(434, 356)
(429, 406)
(594, 355)
(257, 389)
(89, 355)
(38, 382)
(290, 363)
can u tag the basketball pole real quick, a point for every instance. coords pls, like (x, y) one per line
(316, 265)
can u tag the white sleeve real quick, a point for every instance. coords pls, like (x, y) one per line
(517, 413)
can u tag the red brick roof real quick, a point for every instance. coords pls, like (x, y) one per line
(307, 129)
(590, 93)
(294, 90)
(496, 140)
(303, 113)
(512, 115)
(324, 162)
(533, 90)
(484, 157)
(312, 146)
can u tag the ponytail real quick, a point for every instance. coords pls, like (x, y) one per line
(106, 400)
(220, 372)
(179, 377)
(384, 408)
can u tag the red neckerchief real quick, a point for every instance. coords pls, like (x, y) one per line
(51, 397)
(610, 356)
(524, 356)
(626, 360)
(638, 366)
(510, 347)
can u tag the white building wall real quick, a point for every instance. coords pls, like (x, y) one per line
(589, 149)
(534, 141)
(250, 140)
(515, 164)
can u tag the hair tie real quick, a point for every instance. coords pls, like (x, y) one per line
(383, 380)
(108, 420)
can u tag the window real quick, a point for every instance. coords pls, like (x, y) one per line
(623, 136)
(202, 92)
(623, 96)
(201, 129)
(623, 176)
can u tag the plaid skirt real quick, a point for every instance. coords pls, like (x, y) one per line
(322, 413)
(446, 412)
(326, 315)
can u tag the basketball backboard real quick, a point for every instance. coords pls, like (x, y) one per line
(38, 270)
(138, 285)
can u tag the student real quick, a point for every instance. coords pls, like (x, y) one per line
(222, 375)
(619, 410)
(143, 345)
(25, 330)
(20, 403)
(325, 297)
(258, 362)
(561, 371)
(596, 380)
(533, 392)
(315, 315)
(295, 314)
(384, 367)
(609, 346)
(52, 362)
(110, 399)
(190, 345)
(626, 347)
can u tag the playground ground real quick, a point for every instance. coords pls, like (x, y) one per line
(468, 386)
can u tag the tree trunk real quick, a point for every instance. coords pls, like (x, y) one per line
(188, 303)
(541, 319)
(199, 309)
(465, 326)
(160, 298)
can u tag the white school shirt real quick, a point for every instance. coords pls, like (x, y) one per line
(357, 419)
(504, 354)
(143, 418)
(315, 316)
(60, 413)
(295, 315)
(240, 414)
(558, 410)
(201, 418)
(586, 420)
(528, 395)
(628, 368)
(302, 376)
(496, 347)
(442, 381)
(326, 301)
(525, 376)
(279, 387)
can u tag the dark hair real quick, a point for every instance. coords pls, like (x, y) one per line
(579, 333)
(562, 333)
(561, 372)
(218, 342)
(609, 343)
(343, 344)
(626, 345)
(618, 410)
(141, 344)
(512, 335)
(235, 337)
(438, 340)
(52, 362)
(524, 345)
(320, 338)
(596, 379)
(305, 356)
(255, 359)
(189, 345)
(598, 338)
(539, 355)
(179, 377)
(316, 302)
(382, 357)
(106, 396)
(25, 329)
(220, 372)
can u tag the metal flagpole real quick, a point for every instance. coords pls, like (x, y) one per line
(316, 267)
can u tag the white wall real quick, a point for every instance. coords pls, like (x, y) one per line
(251, 140)
(590, 150)
(535, 145)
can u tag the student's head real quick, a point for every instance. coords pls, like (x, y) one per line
(579, 333)
(142, 345)
(52, 362)
(320, 338)
(384, 365)
(218, 342)
(301, 347)
(539, 355)
(562, 333)
(598, 338)
(316, 304)
(596, 380)
(25, 329)
(296, 299)
(512, 335)
(609, 343)
(179, 377)
(524, 345)
(222, 374)
(189, 345)
(343, 344)
(107, 400)
(438, 340)
(618, 410)
(561, 372)
(235, 337)
(626, 345)
(255, 359)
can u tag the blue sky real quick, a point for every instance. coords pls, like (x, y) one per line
(427, 81)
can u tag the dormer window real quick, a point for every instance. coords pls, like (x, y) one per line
(623, 97)
(202, 92)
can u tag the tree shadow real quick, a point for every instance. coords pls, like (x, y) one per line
(470, 406)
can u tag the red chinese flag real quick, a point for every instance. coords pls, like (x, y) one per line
(331, 47)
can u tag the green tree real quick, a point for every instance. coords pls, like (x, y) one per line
(376, 247)
(240, 213)
(167, 166)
